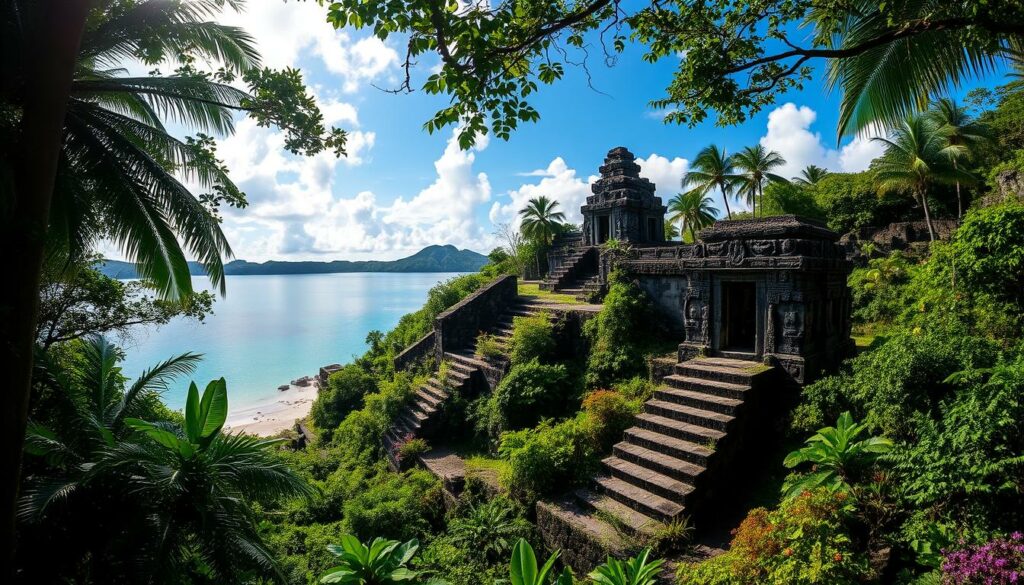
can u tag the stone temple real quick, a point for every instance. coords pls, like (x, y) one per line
(623, 206)
(770, 290)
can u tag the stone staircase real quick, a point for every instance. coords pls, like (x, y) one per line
(670, 464)
(465, 374)
(577, 268)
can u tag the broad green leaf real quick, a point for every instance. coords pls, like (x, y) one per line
(161, 436)
(214, 408)
(193, 423)
(523, 569)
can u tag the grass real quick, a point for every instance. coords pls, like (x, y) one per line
(533, 291)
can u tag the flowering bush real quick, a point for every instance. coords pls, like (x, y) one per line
(803, 541)
(995, 562)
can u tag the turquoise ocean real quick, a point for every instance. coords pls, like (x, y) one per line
(270, 330)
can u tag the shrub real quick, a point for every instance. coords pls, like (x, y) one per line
(410, 449)
(488, 530)
(998, 562)
(547, 458)
(532, 338)
(487, 346)
(609, 414)
(343, 394)
(617, 334)
(637, 388)
(988, 251)
(850, 201)
(529, 392)
(804, 541)
(395, 505)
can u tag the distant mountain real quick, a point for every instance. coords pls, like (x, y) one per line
(429, 259)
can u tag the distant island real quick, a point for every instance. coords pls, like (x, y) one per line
(430, 259)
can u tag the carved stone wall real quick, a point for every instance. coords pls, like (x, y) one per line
(802, 312)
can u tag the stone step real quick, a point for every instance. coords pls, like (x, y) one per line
(700, 400)
(678, 429)
(424, 404)
(424, 395)
(650, 480)
(661, 462)
(434, 387)
(706, 371)
(703, 385)
(415, 415)
(467, 360)
(629, 520)
(461, 367)
(639, 499)
(688, 414)
(457, 377)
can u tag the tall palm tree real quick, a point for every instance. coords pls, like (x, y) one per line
(890, 80)
(132, 501)
(961, 132)
(755, 165)
(916, 156)
(712, 169)
(693, 210)
(810, 176)
(541, 219)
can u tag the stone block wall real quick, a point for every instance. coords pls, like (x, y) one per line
(457, 327)
(423, 347)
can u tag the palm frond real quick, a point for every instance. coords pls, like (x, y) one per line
(153, 382)
(191, 100)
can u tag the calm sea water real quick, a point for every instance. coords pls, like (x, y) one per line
(269, 330)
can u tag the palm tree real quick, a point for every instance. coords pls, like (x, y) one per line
(712, 169)
(671, 231)
(917, 155)
(755, 165)
(962, 132)
(890, 80)
(84, 154)
(693, 210)
(810, 176)
(139, 499)
(541, 220)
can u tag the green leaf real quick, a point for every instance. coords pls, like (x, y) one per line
(161, 436)
(523, 569)
(192, 414)
(214, 408)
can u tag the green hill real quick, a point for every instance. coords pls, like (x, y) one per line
(430, 259)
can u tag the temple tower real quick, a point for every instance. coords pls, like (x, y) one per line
(623, 206)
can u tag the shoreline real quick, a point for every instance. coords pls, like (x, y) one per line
(270, 416)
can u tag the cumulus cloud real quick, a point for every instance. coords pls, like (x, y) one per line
(789, 133)
(557, 182)
(664, 173)
(295, 213)
(284, 30)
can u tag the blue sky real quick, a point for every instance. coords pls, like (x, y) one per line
(401, 188)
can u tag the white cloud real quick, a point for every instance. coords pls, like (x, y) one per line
(284, 30)
(789, 133)
(558, 182)
(664, 173)
(295, 214)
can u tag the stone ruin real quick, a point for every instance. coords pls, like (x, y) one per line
(623, 206)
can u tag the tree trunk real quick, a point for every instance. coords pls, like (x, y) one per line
(51, 46)
(927, 216)
(725, 199)
(959, 202)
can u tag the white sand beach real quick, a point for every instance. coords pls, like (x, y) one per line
(270, 416)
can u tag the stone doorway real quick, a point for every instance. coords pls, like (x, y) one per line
(739, 317)
(603, 228)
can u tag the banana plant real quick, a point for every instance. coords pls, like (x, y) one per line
(524, 570)
(382, 563)
(635, 571)
(836, 452)
(204, 418)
